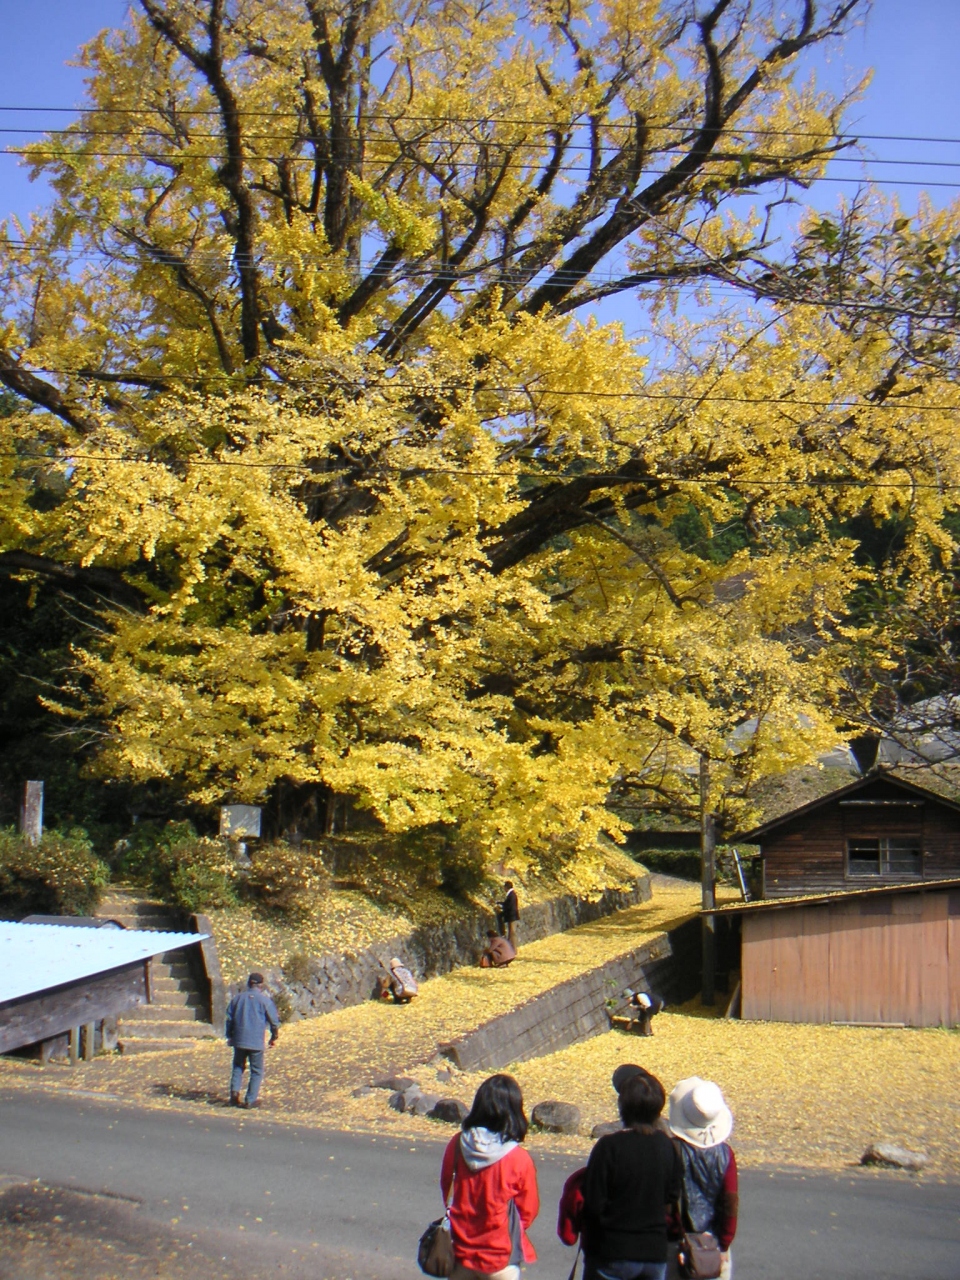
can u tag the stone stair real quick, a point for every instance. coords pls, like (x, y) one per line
(177, 1014)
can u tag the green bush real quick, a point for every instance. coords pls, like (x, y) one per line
(59, 876)
(286, 880)
(193, 872)
(197, 873)
(297, 967)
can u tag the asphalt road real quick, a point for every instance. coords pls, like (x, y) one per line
(352, 1206)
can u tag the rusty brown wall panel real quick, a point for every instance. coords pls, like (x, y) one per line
(756, 966)
(903, 966)
(843, 964)
(934, 961)
(831, 964)
(816, 964)
(953, 962)
(788, 987)
(879, 997)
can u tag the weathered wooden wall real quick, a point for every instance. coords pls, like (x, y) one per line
(42, 1016)
(808, 853)
(894, 958)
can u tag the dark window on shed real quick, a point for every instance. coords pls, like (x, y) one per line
(884, 856)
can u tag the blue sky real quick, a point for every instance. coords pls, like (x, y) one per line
(912, 47)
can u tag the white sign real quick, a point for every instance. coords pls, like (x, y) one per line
(239, 820)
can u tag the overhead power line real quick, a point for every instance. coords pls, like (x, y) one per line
(438, 388)
(459, 279)
(70, 458)
(145, 136)
(684, 129)
(160, 158)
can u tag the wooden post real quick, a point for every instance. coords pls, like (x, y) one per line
(89, 1034)
(708, 884)
(31, 812)
(74, 1045)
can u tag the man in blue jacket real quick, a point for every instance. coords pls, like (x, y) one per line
(249, 1015)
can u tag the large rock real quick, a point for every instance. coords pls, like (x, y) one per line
(890, 1156)
(450, 1111)
(394, 1083)
(423, 1103)
(405, 1099)
(607, 1126)
(408, 1097)
(556, 1117)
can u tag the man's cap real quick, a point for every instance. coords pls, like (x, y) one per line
(255, 980)
(626, 1071)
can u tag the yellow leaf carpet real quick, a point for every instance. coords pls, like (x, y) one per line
(802, 1095)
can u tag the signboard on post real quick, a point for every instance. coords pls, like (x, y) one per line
(31, 812)
(240, 821)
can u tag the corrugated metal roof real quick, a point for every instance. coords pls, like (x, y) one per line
(34, 957)
(836, 895)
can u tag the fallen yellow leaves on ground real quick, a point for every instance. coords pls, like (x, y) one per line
(344, 1049)
(807, 1095)
(802, 1095)
(350, 921)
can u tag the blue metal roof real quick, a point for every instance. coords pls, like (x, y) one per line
(35, 957)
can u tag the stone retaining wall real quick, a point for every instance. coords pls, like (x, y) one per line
(337, 981)
(577, 1009)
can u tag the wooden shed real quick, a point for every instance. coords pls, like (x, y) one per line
(57, 978)
(879, 830)
(888, 955)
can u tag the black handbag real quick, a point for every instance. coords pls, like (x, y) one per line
(435, 1250)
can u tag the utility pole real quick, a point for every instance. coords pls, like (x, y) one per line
(708, 883)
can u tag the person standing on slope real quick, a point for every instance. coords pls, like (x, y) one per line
(508, 912)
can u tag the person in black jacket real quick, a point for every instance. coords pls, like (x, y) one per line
(508, 913)
(633, 1178)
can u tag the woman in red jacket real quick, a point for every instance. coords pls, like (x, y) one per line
(494, 1182)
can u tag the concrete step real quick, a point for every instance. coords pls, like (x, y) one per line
(164, 1011)
(160, 1029)
(177, 971)
(174, 990)
(132, 920)
(134, 914)
(128, 1047)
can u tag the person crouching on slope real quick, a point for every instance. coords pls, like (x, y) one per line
(494, 1182)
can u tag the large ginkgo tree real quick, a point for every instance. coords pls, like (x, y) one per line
(316, 387)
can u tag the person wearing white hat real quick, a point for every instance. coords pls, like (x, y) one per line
(701, 1119)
